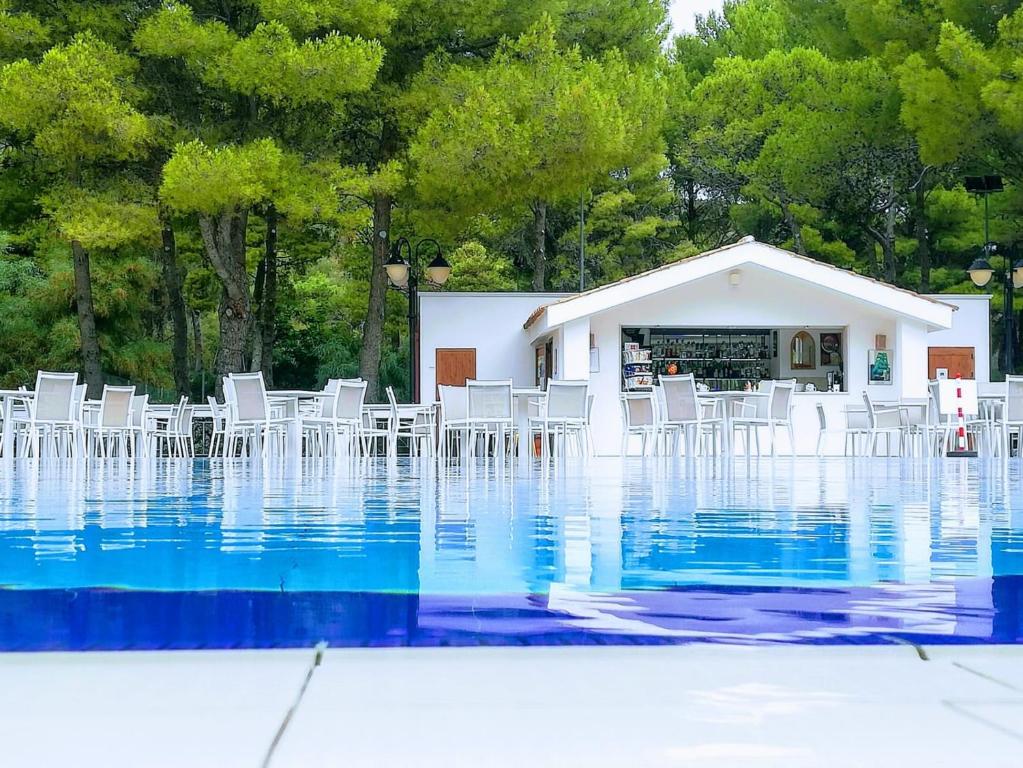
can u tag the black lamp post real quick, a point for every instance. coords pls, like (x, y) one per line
(405, 276)
(981, 270)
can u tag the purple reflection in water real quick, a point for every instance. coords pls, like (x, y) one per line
(961, 611)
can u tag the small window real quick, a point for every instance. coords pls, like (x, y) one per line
(803, 352)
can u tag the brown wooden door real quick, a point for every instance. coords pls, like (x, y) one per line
(958, 360)
(454, 366)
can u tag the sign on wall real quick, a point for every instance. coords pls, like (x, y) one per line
(879, 366)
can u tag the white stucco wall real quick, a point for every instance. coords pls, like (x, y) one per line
(491, 323)
(971, 328)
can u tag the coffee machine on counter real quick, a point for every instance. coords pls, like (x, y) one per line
(835, 381)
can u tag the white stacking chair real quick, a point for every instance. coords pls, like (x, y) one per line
(490, 414)
(886, 421)
(52, 417)
(349, 417)
(218, 414)
(140, 424)
(684, 414)
(564, 411)
(251, 418)
(176, 433)
(777, 414)
(113, 426)
(850, 435)
(319, 426)
(454, 419)
(416, 423)
(638, 420)
(1011, 421)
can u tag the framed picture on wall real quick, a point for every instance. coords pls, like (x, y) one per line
(831, 349)
(879, 366)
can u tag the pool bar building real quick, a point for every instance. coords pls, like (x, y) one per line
(742, 313)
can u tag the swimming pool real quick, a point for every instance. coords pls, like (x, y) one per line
(214, 555)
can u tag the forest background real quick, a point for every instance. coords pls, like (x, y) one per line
(193, 188)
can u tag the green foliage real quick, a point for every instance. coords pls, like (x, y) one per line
(473, 268)
(75, 104)
(538, 123)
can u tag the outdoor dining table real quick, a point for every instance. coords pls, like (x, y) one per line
(729, 398)
(289, 399)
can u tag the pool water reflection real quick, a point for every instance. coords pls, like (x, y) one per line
(215, 555)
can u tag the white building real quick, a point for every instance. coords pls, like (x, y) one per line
(744, 312)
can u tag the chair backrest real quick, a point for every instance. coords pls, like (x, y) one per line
(871, 413)
(1013, 411)
(250, 403)
(327, 406)
(55, 396)
(489, 400)
(454, 403)
(567, 399)
(680, 400)
(933, 413)
(351, 396)
(78, 403)
(660, 404)
(763, 404)
(637, 410)
(822, 417)
(184, 420)
(115, 407)
(139, 407)
(781, 399)
(218, 411)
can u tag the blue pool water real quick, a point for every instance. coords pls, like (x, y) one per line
(208, 555)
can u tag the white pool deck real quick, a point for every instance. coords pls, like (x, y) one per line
(566, 706)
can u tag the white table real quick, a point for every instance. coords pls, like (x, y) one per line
(522, 398)
(289, 399)
(728, 399)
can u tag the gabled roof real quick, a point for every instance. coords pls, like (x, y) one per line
(935, 313)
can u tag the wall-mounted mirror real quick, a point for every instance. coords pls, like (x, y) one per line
(803, 352)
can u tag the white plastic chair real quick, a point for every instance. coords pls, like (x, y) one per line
(113, 426)
(490, 413)
(219, 416)
(251, 417)
(416, 423)
(176, 433)
(140, 424)
(1012, 414)
(52, 417)
(684, 414)
(849, 434)
(638, 419)
(454, 419)
(775, 414)
(564, 410)
(318, 422)
(887, 421)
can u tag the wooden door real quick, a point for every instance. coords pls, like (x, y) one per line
(454, 366)
(959, 361)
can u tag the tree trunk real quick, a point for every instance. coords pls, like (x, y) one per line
(224, 240)
(923, 247)
(794, 228)
(268, 307)
(173, 279)
(256, 331)
(888, 246)
(91, 362)
(539, 244)
(373, 330)
(199, 361)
